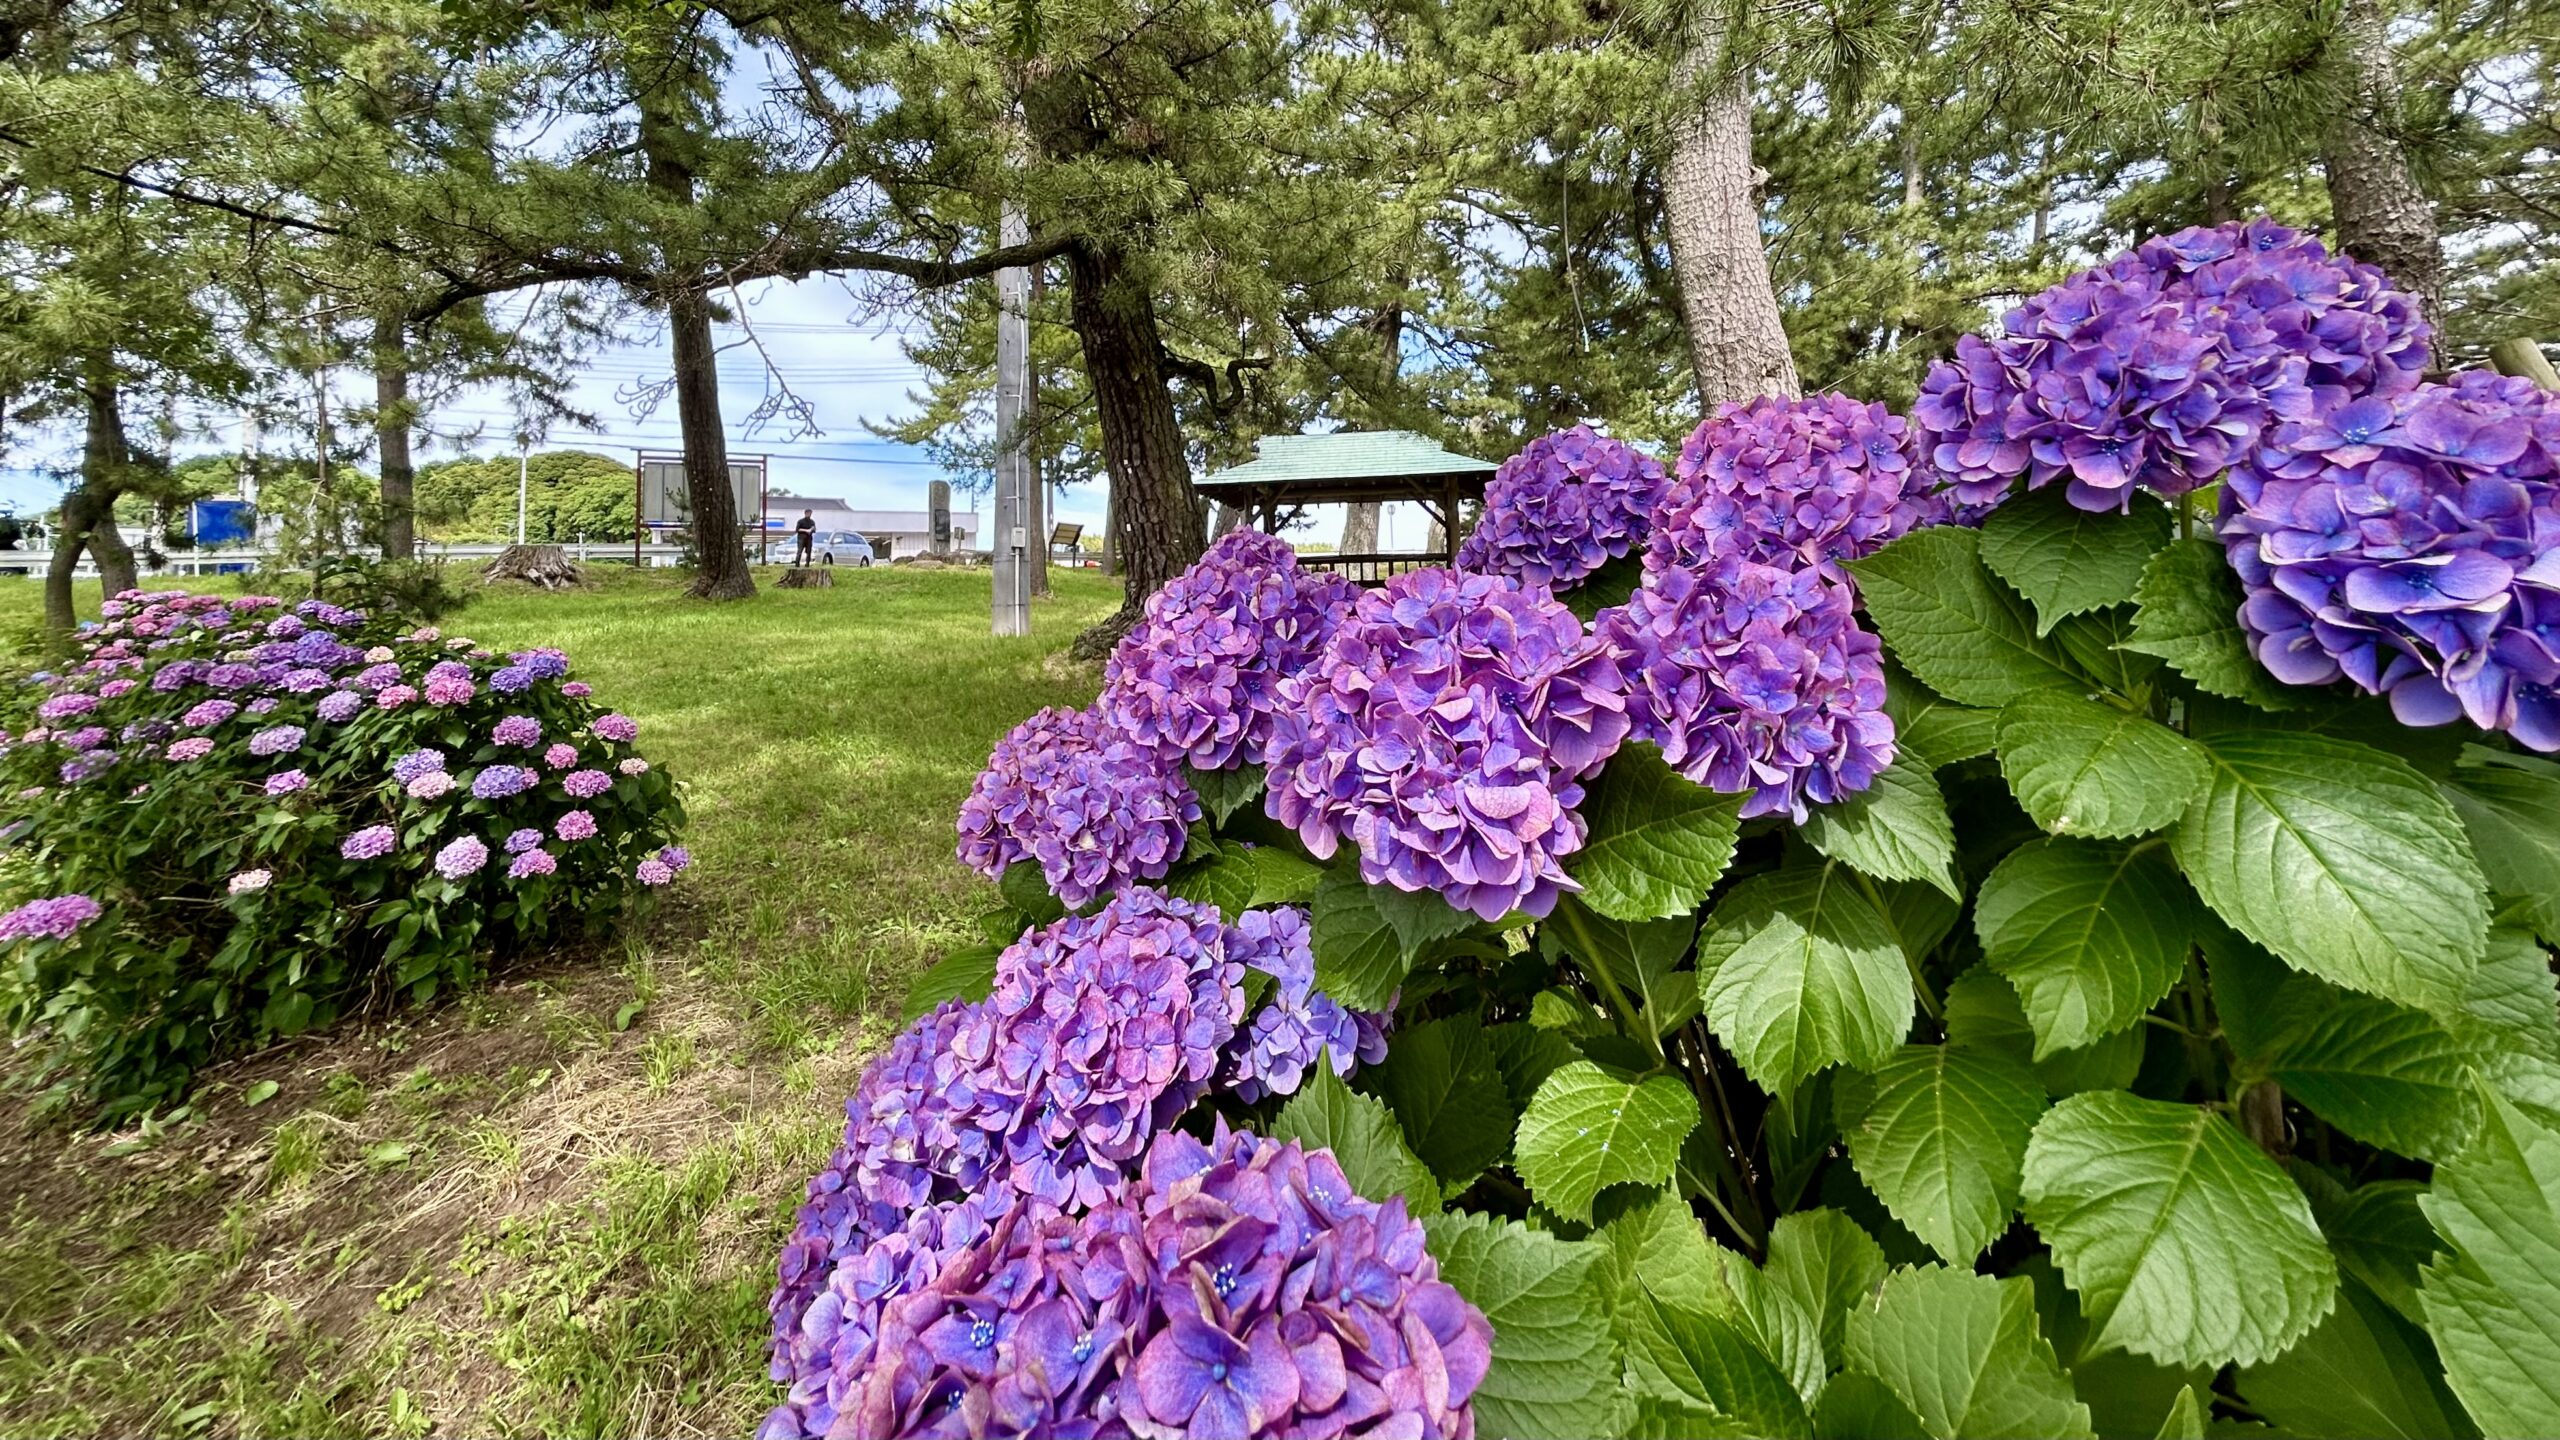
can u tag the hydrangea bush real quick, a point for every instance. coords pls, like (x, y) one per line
(251, 818)
(1948, 953)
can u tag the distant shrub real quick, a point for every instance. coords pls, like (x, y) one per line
(250, 820)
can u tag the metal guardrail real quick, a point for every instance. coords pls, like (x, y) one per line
(31, 563)
(1368, 569)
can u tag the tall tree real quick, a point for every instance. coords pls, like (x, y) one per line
(1711, 201)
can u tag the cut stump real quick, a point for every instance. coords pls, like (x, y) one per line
(548, 566)
(807, 577)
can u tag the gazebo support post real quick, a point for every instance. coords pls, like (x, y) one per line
(1449, 517)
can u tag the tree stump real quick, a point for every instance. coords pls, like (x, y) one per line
(807, 577)
(548, 566)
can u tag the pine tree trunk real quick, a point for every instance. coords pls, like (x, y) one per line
(70, 537)
(721, 572)
(1360, 529)
(391, 436)
(2383, 218)
(1737, 345)
(1041, 519)
(1156, 517)
(104, 459)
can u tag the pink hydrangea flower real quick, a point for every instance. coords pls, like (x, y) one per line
(653, 871)
(449, 690)
(577, 689)
(285, 782)
(392, 697)
(194, 747)
(249, 882)
(617, 727)
(634, 766)
(560, 756)
(463, 857)
(586, 784)
(532, 862)
(576, 825)
(517, 730)
(430, 786)
(116, 689)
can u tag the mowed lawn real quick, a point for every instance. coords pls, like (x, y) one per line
(552, 1206)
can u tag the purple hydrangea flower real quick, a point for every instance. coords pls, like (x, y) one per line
(285, 782)
(339, 706)
(86, 764)
(1444, 732)
(532, 862)
(370, 843)
(87, 737)
(586, 784)
(511, 680)
(377, 677)
(58, 917)
(277, 740)
(652, 872)
(576, 825)
(463, 857)
(496, 782)
(522, 730)
(207, 713)
(675, 858)
(2163, 368)
(523, 840)
(1092, 808)
(416, 763)
(1273, 1053)
(1755, 680)
(63, 707)
(541, 664)
(617, 727)
(1813, 481)
(1566, 505)
(2411, 544)
(194, 747)
(1198, 678)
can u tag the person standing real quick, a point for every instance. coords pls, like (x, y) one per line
(807, 531)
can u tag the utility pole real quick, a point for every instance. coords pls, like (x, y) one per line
(522, 451)
(1012, 540)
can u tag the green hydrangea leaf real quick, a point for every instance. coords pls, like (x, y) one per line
(1828, 1264)
(2363, 1371)
(1983, 1009)
(2187, 612)
(2385, 1074)
(1862, 1407)
(1223, 792)
(1555, 1371)
(1962, 1351)
(1952, 623)
(1326, 1114)
(1360, 961)
(2185, 1420)
(1639, 957)
(1441, 1081)
(1586, 1130)
(1931, 726)
(2065, 559)
(961, 975)
(2382, 1238)
(1656, 844)
(1938, 1133)
(1802, 974)
(2340, 859)
(2083, 767)
(2184, 1242)
(2511, 806)
(1895, 829)
(1707, 1363)
(1280, 878)
(2092, 933)
(1226, 878)
(2493, 1305)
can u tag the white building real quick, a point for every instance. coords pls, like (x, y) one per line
(893, 534)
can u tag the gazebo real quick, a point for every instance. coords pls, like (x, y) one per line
(1290, 472)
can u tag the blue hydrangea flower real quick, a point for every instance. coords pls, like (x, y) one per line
(1787, 482)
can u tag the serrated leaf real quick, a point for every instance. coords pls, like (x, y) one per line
(1707, 1363)
(2512, 1004)
(2511, 807)
(2094, 641)
(2493, 1305)
(1963, 1353)
(1951, 622)
(1527, 1054)
(2083, 767)
(1939, 1139)
(1441, 1081)
(2363, 1371)
(1418, 917)
(1224, 878)
(1662, 1252)
(1280, 878)
(1586, 1130)
(2187, 612)
(1895, 829)
(961, 975)
(1827, 1264)
(1637, 957)
(1801, 974)
(1609, 585)
(1329, 1115)
(2126, 1394)
(1931, 726)
(1862, 1407)
(1223, 792)
(2185, 1419)
(2184, 1242)
(1359, 959)
(1656, 842)
(2092, 934)
(1026, 889)
(2065, 559)
(2340, 859)
(2389, 1076)
(2382, 1238)
(1555, 1370)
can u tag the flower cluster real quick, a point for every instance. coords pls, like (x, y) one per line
(1792, 482)
(57, 917)
(1755, 679)
(2163, 368)
(150, 765)
(1443, 732)
(1198, 679)
(1566, 505)
(2411, 543)
(1094, 809)
(1299, 1025)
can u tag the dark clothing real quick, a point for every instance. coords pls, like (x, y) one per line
(807, 530)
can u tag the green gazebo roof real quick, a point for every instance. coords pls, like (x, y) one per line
(1351, 465)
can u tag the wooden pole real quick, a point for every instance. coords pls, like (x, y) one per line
(2524, 357)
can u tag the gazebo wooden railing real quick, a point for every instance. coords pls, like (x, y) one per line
(1290, 472)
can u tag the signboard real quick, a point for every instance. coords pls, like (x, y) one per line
(939, 500)
(222, 522)
(662, 492)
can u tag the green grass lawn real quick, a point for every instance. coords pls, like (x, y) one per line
(552, 1206)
